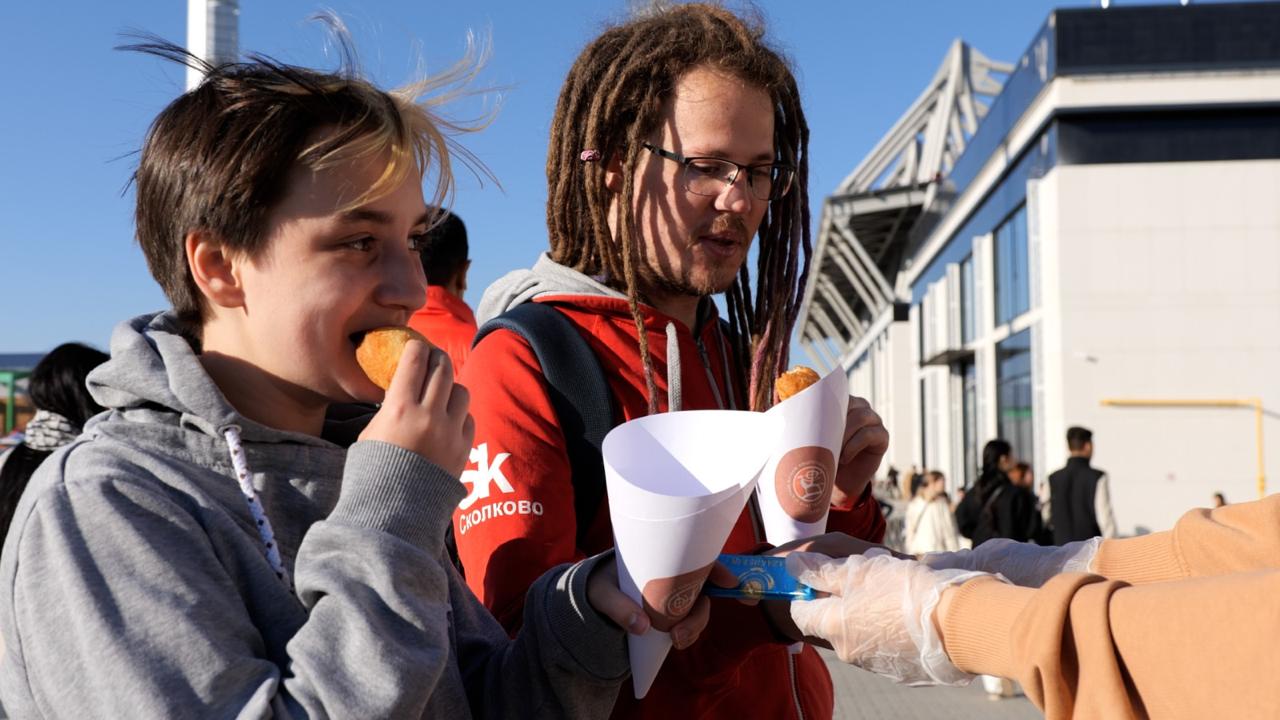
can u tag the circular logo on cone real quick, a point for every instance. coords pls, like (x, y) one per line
(668, 600)
(803, 481)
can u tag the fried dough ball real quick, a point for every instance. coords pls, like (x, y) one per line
(793, 381)
(379, 352)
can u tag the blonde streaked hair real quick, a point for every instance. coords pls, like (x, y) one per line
(217, 159)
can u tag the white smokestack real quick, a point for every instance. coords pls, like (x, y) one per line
(213, 33)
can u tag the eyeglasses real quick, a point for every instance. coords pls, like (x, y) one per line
(709, 176)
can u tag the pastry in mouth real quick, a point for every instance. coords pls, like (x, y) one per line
(378, 352)
(793, 381)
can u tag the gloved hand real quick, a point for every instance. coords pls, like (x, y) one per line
(1025, 564)
(879, 615)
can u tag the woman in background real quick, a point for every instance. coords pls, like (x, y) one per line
(58, 392)
(930, 525)
(994, 507)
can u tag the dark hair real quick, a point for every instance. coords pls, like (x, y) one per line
(611, 102)
(56, 385)
(991, 478)
(991, 454)
(19, 465)
(445, 251)
(218, 158)
(917, 482)
(1078, 437)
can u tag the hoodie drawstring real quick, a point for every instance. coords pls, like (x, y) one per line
(675, 395)
(265, 532)
(675, 390)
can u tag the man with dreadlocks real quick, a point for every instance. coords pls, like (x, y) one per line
(677, 139)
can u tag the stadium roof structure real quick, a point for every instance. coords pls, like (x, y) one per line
(865, 231)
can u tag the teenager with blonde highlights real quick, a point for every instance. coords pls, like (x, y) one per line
(212, 546)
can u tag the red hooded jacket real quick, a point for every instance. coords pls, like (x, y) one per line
(448, 323)
(518, 520)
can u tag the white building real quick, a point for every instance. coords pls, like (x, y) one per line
(1106, 228)
(213, 34)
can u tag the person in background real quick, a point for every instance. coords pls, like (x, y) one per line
(1174, 624)
(1041, 490)
(1079, 494)
(1219, 500)
(994, 507)
(912, 482)
(1023, 478)
(63, 405)
(446, 319)
(1021, 475)
(930, 524)
(892, 490)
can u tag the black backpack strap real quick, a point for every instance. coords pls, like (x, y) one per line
(579, 394)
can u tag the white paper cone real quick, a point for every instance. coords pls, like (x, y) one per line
(647, 653)
(796, 483)
(677, 483)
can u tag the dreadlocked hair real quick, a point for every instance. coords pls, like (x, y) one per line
(612, 101)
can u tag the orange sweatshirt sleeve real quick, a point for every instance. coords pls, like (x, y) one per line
(518, 519)
(1086, 647)
(1229, 539)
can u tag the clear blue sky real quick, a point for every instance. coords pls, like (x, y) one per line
(75, 110)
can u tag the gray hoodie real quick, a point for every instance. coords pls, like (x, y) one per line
(138, 584)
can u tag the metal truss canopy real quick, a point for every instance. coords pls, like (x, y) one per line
(863, 234)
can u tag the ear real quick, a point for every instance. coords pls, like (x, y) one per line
(457, 283)
(462, 277)
(613, 173)
(213, 269)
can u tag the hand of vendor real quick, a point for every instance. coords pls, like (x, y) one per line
(1021, 563)
(879, 613)
(605, 596)
(832, 545)
(865, 442)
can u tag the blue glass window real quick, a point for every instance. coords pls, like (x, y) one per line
(1013, 393)
(1013, 285)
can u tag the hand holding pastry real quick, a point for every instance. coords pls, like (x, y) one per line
(423, 411)
(865, 438)
(379, 352)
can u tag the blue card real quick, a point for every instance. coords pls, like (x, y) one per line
(762, 577)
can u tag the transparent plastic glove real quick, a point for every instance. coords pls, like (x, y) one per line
(879, 615)
(1025, 564)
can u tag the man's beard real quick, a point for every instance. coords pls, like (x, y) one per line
(662, 282)
(665, 285)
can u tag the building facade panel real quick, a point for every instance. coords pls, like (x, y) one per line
(1170, 292)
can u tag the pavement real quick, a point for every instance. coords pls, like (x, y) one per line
(863, 696)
